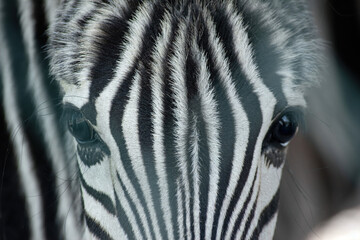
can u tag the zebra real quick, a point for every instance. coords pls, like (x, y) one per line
(176, 115)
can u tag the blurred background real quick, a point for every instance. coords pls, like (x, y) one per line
(320, 195)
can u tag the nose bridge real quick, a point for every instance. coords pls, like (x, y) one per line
(186, 143)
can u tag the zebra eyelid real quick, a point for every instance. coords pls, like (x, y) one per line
(296, 112)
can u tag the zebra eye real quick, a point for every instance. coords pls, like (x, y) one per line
(283, 130)
(81, 129)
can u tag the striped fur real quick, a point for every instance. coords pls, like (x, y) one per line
(181, 95)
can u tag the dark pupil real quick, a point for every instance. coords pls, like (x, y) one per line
(80, 128)
(284, 130)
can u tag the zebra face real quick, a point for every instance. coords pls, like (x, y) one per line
(180, 114)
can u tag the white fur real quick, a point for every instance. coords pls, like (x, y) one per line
(128, 211)
(268, 230)
(94, 209)
(244, 52)
(178, 85)
(131, 135)
(266, 98)
(103, 106)
(270, 180)
(99, 177)
(291, 55)
(241, 121)
(180, 209)
(157, 119)
(212, 123)
(194, 143)
(253, 198)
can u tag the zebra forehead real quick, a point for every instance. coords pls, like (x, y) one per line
(281, 48)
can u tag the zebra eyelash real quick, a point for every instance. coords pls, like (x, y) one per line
(71, 118)
(293, 114)
(67, 112)
(296, 113)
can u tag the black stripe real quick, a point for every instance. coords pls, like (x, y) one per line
(204, 162)
(244, 207)
(168, 127)
(195, 110)
(226, 134)
(117, 112)
(192, 71)
(227, 130)
(250, 218)
(95, 228)
(145, 124)
(248, 98)
(100, 197)
(266, 56)
(119, 103)
(92, 154)
(107, 51)
(121, 214)
(267, 214)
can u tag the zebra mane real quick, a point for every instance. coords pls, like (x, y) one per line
(73, 52)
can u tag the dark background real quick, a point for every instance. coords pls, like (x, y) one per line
(343, 19)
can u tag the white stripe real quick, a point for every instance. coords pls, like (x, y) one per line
(239, 206)
(98, 176)
(157, 119)
(104, 104)
(269, 229)
(210, 111)
(96, 211)
(180, 209)
(267, 100)
(270, 181)
(178, 84)
(194, 144)
(289, 55)
(240, 118)
(24, 161)
(131, 135)
(243, 51)
(128, 210)
(293, 95)
(65, 210)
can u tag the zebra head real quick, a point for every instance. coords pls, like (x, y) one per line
(181, 112)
